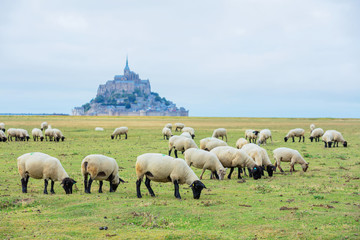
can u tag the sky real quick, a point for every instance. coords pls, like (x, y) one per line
(226, 58)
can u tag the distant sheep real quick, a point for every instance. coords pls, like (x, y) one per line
(37, 134)
(186, 134)
(169, 126)
(166, 133)
(11, 132)
(316, 134)
(120, 131)
(58, 135)
(289, 155)
(179, 126)
(263, 136)
(220, 132)
(297, 132)
(161, 168)
(189, 130)
(210, 143)
(44, 126)
(312, 127)
(2, 127)
(49, 133)
(3, 137)
(179, 143)
(42, 166)
(99, 129)
(333, 136)
(251, 135)
(260, 156)
(241, 142)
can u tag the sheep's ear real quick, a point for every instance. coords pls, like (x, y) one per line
(191, 185)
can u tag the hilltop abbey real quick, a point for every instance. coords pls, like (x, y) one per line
(128, 95)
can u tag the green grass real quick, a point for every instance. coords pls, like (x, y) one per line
(322, 203)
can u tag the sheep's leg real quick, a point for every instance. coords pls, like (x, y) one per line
(250, 173)
(244, 170)
(216, 175)
(125, 135)
(170, 151)
(280, 168)
(231, 171)
(177, 194)
(303, 138)
(138, 192)
(100, 186)
(325, 144)
(329, 143)
(226, 137)
(293, 138)
(175, 152)
(45, 187)
(24, 182)
(299, 138)
(86, 183)
(271, 140)
(52, 187)
(203, 174)
(291, 167)
(239, 172)
(147, 184)
(89, 185)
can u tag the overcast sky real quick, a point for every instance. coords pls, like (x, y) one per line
(254, 58)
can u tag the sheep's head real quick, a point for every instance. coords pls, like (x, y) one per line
(67, 184)
(62, 138)
(42, 129)
(112, 136)
(197, 186)
(345, 143)
(256, 132)
(222, 173)
(27, 138)
(285, 139)
(270, 169)
(311, 139)
(115, 183)
(41, 138)
(305, 166)
(256, 172)
(192, 136)
(329, 144)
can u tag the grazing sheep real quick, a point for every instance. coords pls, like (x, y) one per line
(316, 134)
(3, 137)
(186, 134)
(241, 142)
(101, 168)
(119, 131)
(42, 166)
(289, 155)
(21, 135)
(180, 144)
(49, 133)
(260, 156)
(44, 126)
(210, 143)
(99, 129)
(331, 136)
(179, 126)
(205, 160)
(37, 134)
(312, 127)
(339, 138)
(263, 135)
(169, 126)
(232, 157)
(189, 130)
(297, 132)
(251, 134)
(11, 132)
(58, 135)
(161, 168)
(220, 132)
(166, 133)
(2, 127)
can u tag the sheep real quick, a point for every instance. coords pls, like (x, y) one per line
(312, 127)
(189, 130)
(58, 135)
(284, 154)
(316, 134)
(2, 127)
(231, 157)
(3, 137)
(44, 126)
(11, 132)
(162, 168)
(42, 166)
(331, 136)
(99, 129)
(180, 144)
(179, 126)
(37, 134)
(22, 134)
(49, 133)
(166, 133)
(297, 132)
(220, 132)
(169, 126)
(263, 135)
(186, 134)
(210, 143)
(260, 156)
(251, 134)
(241, 142)
(205, 160)
(100, 167)
(119, 131)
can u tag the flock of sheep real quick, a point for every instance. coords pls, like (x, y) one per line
(214, 155)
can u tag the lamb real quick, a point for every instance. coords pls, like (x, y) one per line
(220, 132)
(297, 132)
(231, 157)
(263, 135)
(169, 126)
(312, 127)
(3, 137)
(2, 127)
(284, 154)
(241, 142)
(260, 156)
(49, 133)
(180, 144)
(44, 126)
(162, 168)
(186, 134)
(189, 130)
(205, 160)
(37, 134)
(101, 168)
(58, 135)
(251, 134)
(331, 136)
(119, 131)
(166, 133)
(316, 134)
(99, 129)
(210, 143)
(42, 166)
(179, 126)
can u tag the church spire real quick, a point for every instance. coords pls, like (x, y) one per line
(127, 65)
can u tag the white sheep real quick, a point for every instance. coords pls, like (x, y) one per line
(210, 143)
(251, 135)
(220, 132)
(260, 156)
(42, 166)
(289, 155)
(161, 168)
(101, 168)
(11, 132)
(179, 143)
(166, 133)
(44, 126)
(205, 160)
(316, 134)
(263, 136)
(331, 136)
(186, 134)
(312, 127)
(179, 126)
(99, 129)
(120, 131)
(22, 135)
(297, 132)
(3, 137)
(189, 130)
(2, 127)
(231, 157)
(37, 134)
(58, 135)
(241, 142)
(169, 126)
(49, 133)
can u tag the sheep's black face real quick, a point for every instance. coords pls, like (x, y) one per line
(285, 139)
(41, 138)
(344, 144)
(197, 186)
(114, 186)
(256, 172)
(112, 137)
(256, 132)
(193, 136)
(311, 139)
(27, 138)
(270, 169)
(67, 184)
(62, 138)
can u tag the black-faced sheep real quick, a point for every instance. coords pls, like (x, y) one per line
(316, 134)
(3, 137)
(166, 133)
(210, 143)
(120, 131)
(189, 130)
(263, 136)
(289, 155)
(220, 132)
(179, 126)
(297, 132)
(37, 134)
(251, 135)
(44, 126)
(179, 143)
(333, 136)
(241, 142)
(260, 156)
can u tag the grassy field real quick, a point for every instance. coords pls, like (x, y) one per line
(322, 203)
